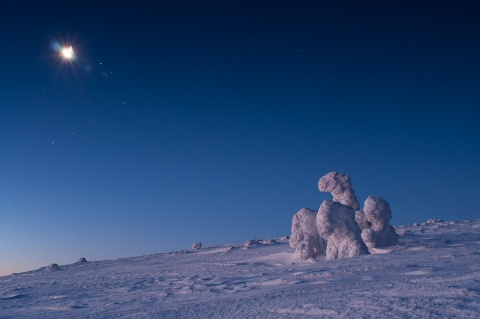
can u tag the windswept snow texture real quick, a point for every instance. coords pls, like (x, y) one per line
(433, 273)
(378, 214)
(340, 186)
(305, 239)
(336, 224)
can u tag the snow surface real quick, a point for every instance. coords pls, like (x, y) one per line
(433, 273)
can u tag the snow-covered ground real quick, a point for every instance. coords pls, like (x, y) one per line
(433, 273)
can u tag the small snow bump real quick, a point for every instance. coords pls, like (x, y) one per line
(53, 267)
(197, 246)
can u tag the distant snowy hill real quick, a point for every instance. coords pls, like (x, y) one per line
(434, 273)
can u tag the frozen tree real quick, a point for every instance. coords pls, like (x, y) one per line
(305, 239)
(336, 224)
(340, 186)
(361, 219)
(378, 214)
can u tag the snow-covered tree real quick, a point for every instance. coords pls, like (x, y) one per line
(378, 214)
(361, 219)
(305, 239)
(336, 224)
(340, 186)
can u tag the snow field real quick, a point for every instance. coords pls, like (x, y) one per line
(433, 273)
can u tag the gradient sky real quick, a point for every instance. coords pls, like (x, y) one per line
(212, 121)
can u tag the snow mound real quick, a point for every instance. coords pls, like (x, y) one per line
(53, 267)
(197, 246)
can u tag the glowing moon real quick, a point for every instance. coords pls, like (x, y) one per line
(67, 53)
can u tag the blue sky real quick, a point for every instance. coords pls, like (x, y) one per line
(181, 122)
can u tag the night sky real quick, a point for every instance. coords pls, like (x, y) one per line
(211, 121)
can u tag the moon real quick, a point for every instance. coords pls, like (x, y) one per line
(67, 53)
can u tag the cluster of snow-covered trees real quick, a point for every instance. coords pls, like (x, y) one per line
(340, 228)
